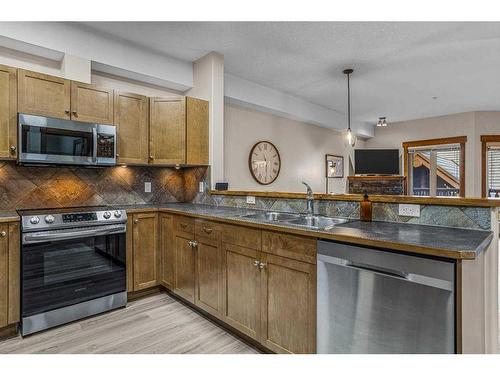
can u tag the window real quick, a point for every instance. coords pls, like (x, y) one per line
(435, 167)
(490, 166)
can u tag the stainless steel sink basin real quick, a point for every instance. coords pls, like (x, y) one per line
(313, 222)
(272, 216)
(317, 222)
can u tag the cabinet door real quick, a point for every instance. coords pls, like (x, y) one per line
(145, 250)
(209, 276)
(14, 288)
(8, 112)
(90, 103)
(241, 289)
(196, 131)
(167, 130)
(167, 251)
(4, 275)
(131, 121)
(184, 283)
(44, 95)
(288, 309)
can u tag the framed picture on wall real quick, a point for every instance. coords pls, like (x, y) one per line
(334, 166)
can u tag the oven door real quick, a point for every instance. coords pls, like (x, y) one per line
(53, 141)
(65, 267)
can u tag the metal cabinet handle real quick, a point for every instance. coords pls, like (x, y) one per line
(207, 230)
(13, 148)
(136, 221)
(256, 263)
(3, 233)
(74, 113)
(195, 243)
(67, 111)
(151, 157)
(117, 155)
(262, 265)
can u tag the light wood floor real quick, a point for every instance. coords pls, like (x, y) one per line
(155, 324)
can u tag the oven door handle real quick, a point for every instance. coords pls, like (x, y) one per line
(48, 236)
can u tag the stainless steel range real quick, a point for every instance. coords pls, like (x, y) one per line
(73, 265)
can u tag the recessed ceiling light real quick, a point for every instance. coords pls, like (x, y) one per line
(381, 123)
(434, 97)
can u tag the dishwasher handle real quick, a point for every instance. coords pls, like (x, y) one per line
(409, 277)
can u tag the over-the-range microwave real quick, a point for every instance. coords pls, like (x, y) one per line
(46, 140)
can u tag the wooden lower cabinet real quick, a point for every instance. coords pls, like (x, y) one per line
(167, 250)
(184, 266)
(9, 274)
(208, 272)
(241, 289)
(288, 307)
(144, 251)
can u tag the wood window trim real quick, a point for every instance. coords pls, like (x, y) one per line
(485, 139)
(435, 142)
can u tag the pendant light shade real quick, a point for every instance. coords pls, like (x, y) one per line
(349, 136)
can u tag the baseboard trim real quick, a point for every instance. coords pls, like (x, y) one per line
(9, 331)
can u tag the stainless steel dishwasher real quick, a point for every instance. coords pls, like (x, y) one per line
(374, 301)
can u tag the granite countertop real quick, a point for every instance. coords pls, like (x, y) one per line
(8, 216)
(455, 243)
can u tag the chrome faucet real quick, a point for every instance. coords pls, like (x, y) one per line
(309, 200)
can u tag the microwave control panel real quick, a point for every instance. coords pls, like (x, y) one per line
(105, 146)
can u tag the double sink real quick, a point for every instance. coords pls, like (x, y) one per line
(311, 222)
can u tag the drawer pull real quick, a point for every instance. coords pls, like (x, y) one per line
(262, 265)
(207, 230)
(256, 263)
(3, 233)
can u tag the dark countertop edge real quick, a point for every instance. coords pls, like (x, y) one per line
(9, 216)
(470, 254)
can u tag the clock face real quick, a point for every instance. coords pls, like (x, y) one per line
(264, 162)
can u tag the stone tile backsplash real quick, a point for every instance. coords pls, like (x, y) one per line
(29, 187)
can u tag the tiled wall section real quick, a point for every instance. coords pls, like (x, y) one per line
(327, 208)
(50, 187)
(448, 216)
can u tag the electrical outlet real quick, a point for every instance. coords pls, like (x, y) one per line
(409, 210)
(147, 187)
(250, 199)
(201, 187)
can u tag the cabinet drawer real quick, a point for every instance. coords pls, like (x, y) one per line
(207, 229)
(289, 246)
(184, 224)
(241, 236)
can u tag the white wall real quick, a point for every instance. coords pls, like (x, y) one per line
(470, 124)
(302, 149)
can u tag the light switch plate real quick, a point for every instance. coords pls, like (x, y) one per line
(409, 210)
(147, 187)
(250, 199)
(201, 187)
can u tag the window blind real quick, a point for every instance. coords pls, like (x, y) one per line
(493, 167)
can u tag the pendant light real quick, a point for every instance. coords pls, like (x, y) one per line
(350, 137)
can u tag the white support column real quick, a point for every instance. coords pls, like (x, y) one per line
(208, 80)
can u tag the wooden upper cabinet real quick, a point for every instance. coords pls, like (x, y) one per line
(90, 103)
(145, 255)
(288, 298)
(8, 112)
(44, 95)
(167, 130)
(9, 274)
(131, 120)
(196, 131)
(167, 250)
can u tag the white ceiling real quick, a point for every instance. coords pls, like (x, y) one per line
(398, 67)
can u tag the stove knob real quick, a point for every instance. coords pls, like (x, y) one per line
(35, 220)
(49, 219)
(107, 215)
(118, 214)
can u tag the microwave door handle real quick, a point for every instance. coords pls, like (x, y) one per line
(44, 237)
(94, 145)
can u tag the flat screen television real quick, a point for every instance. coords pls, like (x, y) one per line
(376, 162)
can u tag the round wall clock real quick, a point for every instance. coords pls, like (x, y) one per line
(264, 162)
